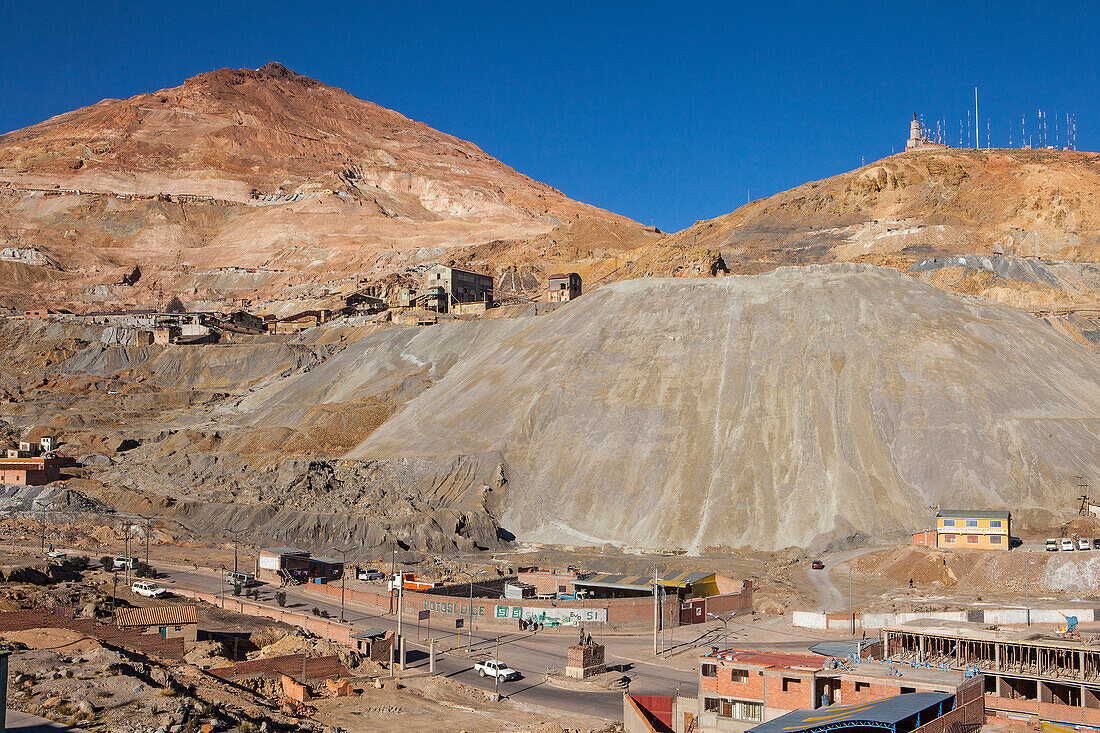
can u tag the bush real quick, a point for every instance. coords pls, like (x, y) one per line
(143, 570)
(317, 612)
(80, 563)
(280, 598)
(107, 562)
(237, 588)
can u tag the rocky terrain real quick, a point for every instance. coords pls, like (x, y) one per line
(708, 408)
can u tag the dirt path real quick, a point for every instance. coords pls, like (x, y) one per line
(831, 599)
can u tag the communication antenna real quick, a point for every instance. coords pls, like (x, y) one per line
(1056, 142)
(960, 132)
(968, 128)
(977, 143)
(987, 133)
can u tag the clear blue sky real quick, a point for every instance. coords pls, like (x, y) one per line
(664, 112)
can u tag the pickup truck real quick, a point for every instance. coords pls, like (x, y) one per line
(496, 668)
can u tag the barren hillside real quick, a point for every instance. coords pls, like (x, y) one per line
(253, 169)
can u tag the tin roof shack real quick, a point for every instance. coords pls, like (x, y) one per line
(461, 286)
(290, 565)
(375, 643)
(973, 529)
(178, 621)
(33, 471)
(681, 583)
(739, 688)
(564, 287)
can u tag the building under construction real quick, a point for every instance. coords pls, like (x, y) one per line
(1027, 675)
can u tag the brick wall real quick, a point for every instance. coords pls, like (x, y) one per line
(800, 692)
(968, 717)
(107, 634)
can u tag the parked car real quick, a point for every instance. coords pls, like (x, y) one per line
(121, 563)
(1014, 542)
(1084, 543)
(148, 588)
(817, 565)
(1096, 543)
(1067, 544)
(496, 668)
(371, 575)
(242, 579)
(1052, 545)
(56, 554)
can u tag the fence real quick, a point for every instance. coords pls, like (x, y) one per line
(842, 621)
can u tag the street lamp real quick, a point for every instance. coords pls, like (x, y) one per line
(234, 532)
(343, 574)
(725, 621)
(469, 611)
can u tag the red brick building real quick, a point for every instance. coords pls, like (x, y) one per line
(739, 688)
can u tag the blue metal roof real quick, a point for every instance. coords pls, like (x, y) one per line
(884, 714)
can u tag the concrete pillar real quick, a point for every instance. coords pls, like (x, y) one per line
(431, 656)
(402, 652)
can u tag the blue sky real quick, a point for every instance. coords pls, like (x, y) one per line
(667, 113)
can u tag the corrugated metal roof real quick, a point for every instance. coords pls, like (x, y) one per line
(880, 713)
(679, 578)
(369, 634)
(157, 616)
(326, 560)
(973, 514)
(283, 551)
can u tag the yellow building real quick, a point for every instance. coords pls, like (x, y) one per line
(976, 529)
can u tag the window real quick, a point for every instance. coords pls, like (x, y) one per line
(907, 690)
(709, 670)
(995, 523)
(739, 675)
(744, 710)
(711, 705)
(994, 539)
(972, 539)
(972, 523)
(949, 522)
(791, 684)
(863, 686)
(949, 538)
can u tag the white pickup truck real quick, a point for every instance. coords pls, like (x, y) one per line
(496, 668)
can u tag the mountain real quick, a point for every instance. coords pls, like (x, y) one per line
(257, 169)
(793, 408)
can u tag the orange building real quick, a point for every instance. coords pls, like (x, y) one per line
(31, 471)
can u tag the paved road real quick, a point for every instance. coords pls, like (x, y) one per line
(18, 722)
(531, 654)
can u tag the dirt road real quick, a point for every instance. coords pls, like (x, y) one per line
(831, 599)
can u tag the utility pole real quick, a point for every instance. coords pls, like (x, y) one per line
(343, 574)
(129, 559)
(234, 532)
(469, 615)
(148, 530)
(851, 608)
(393, 571)
(1027, 605)
(496, 677)
(400, 581)
(976, 143)
(655, 651)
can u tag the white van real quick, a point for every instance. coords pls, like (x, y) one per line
(148, 589)
(1084, 544)
(1067, 544)
(243, 579)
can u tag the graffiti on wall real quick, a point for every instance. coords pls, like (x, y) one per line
(554, 616)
